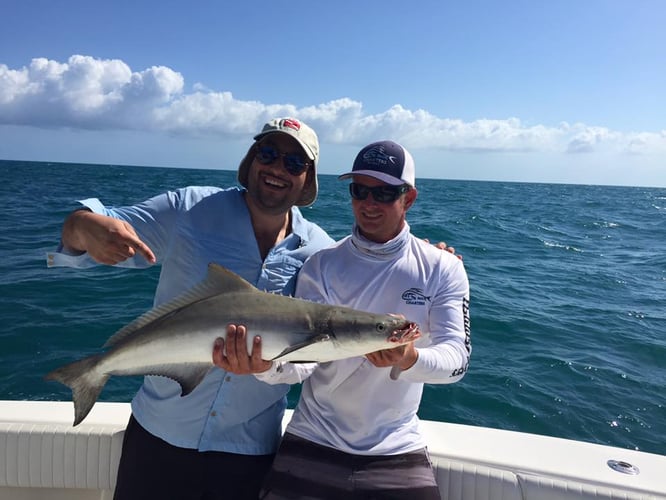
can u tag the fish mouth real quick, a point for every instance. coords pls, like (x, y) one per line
(408, 333)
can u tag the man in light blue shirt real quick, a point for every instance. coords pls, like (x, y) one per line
(226, 431)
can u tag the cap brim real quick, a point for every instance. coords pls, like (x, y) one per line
(304, 147)
(388, 179)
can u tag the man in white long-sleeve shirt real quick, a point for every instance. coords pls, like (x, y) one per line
(355, 432)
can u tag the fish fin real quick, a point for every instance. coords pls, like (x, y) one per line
(226, 281)
(85, 382)
(188, 376)
(300, 348)
(219, 280)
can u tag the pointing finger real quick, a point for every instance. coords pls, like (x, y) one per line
(136, 245)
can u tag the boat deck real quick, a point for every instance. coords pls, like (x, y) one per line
(43, 457)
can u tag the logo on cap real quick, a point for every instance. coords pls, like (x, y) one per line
(377, 156)
(291, 123)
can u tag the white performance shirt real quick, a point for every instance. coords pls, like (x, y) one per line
(350, 404)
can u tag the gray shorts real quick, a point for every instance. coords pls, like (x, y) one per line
(305, 470)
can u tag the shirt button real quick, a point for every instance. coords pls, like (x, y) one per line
(213, 413)
(228, 378)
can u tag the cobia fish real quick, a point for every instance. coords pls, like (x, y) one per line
(176, 339)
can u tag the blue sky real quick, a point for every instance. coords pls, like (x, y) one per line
(563, 91)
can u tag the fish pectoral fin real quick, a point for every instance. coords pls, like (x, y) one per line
(301, 346)
(188, 375)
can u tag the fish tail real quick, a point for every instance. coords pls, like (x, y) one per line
(85, 381)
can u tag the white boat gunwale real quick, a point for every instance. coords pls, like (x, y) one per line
(43, 456)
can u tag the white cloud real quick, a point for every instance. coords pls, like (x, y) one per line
(84, 93)
(102, 94)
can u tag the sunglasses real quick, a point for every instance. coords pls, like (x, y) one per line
(293, 162)
(381, 194)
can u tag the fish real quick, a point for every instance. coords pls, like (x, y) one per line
(176, 339)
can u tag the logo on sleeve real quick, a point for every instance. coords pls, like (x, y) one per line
(415, 297)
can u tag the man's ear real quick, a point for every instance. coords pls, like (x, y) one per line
(309, 179)
(410, 198)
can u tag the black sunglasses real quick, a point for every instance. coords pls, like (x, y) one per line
(294, 163)
(381, 194)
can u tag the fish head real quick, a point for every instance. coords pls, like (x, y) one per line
(371, 332)
(404, 331)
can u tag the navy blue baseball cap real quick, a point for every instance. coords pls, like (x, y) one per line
(387, 161)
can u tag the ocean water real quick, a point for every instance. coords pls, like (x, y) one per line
(568, 294)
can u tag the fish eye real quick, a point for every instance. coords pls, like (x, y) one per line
(381, 327)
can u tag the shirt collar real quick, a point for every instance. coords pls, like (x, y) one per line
(299, 225)
(389, 248)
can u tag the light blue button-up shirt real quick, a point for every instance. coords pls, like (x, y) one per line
(187, 229)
